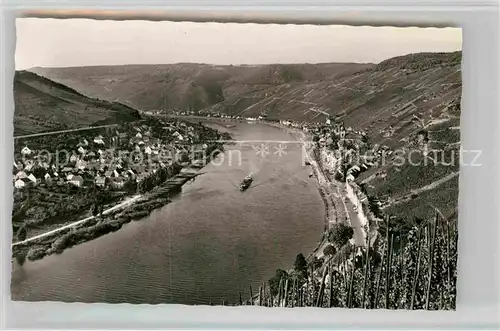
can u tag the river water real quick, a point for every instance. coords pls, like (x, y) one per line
(210, 243)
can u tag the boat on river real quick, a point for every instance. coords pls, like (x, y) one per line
(247, 181)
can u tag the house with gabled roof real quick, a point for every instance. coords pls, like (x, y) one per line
(99, 140)
(81, 164)
(28, 167)
(67, 169)
(118, 182)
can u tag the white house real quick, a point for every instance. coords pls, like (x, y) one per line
(69, 177)
(21, 175)
(148, 150)
(100, 181)
(32, 178)
(26, 151)
(81, 164)
(119, 183)
(67, 169)
(47, 176)
(99, 140)
(138, 135)
(73, 158)
(81, 150)
(28, 167)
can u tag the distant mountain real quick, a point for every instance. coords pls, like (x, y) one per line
(44, 105)
(189, 85)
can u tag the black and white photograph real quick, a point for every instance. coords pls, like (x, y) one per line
(236, 164)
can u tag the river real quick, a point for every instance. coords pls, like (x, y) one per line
(211, 242)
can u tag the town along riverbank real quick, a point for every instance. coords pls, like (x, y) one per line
(112, 219)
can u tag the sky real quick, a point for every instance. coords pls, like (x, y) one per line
(84, 42)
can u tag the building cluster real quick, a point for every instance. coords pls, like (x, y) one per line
(109, 159)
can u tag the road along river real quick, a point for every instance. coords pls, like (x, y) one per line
(211, 242)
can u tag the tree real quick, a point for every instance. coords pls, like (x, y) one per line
(329, 250)
(340, 234)
(300, 264)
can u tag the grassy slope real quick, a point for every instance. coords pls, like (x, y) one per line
(43, 105)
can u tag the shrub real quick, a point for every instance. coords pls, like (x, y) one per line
(36, 253)
(274, 282)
